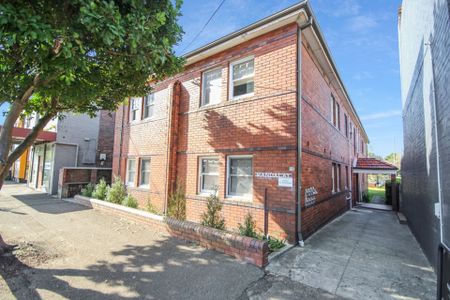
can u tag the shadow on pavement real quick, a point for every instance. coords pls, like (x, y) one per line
(46, 204)
(167, 269)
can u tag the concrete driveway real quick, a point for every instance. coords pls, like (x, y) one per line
(364, 254)
(68, 251)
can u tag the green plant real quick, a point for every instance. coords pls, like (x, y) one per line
(117, 192)
(87, 190)
(365, 197)
(249, 227)
(80, 57)
(130, 201)
(101, 189)
(177, 203)
(212, 217)
(275, 244)
(151, 208)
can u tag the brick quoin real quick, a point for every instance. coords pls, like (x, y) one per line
(263, 125)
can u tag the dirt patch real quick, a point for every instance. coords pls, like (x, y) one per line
(26, 255)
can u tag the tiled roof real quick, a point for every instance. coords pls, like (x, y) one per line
(374, 164)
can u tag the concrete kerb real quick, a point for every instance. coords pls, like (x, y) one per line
(244, 248)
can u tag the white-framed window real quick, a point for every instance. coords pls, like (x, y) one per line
(240, 176)
(144, 173)
(131, 171)
(211, 87)
(135, 105)
(335, 113)
(209, 174)
(242, 74)
(335, 177)
(149, 106)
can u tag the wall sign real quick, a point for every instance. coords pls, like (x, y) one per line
(270, 175)
(285, 181)
(310, 196)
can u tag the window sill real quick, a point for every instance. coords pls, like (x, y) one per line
(242, 96)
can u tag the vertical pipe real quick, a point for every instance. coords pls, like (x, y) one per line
(266, 214)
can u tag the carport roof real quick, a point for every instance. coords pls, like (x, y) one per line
(373, 165)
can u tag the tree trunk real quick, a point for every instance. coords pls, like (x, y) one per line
(4, 247)
(27, 142)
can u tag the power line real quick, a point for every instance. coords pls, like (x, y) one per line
(204, 26)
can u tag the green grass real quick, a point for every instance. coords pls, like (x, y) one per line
(376, 191)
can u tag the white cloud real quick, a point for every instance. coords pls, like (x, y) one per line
(382, 115)
(341, 8)
(363, 75)
(362, 23)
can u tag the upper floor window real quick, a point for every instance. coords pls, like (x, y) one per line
(211, 87)
(149, 105)
(242, 78)
(346, 125)
(209, 174)
(240, 176)
(336, 114)
(135, 104)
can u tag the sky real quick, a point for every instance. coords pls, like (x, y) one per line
(362, 36)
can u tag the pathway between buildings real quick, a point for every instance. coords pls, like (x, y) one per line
(364, 254)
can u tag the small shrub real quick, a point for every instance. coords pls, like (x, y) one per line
(275, 244)
(151, 208)
(130, 201)
(87, 190)
(117, 192)
(177, 204)
(101, 189)
(212, 217)
(365, 197)
(249, 227)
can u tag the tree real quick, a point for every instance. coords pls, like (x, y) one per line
(394, 158)
(80, 56)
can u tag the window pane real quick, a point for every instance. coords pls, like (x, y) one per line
(240, 185)
(243, 88)
(241, 166)
(210, 165)
(145, 171)
(209, 182)
(243, 69)
(212, 86)
(131, 170)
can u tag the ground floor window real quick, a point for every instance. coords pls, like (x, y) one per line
(209, 174)
(131, 171)
(144, 176)
(335, 177)
(240, 176)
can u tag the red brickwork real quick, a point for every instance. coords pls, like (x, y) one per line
(106, 138)
(244, 248)
(262, 125)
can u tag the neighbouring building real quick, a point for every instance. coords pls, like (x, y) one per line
(424, 42)
(260, 115)
(75, 140)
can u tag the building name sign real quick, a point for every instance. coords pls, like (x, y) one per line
(270, 175)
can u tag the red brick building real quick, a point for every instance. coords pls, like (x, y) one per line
(261, 114)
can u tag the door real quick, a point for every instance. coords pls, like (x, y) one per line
(355, 191)
(39, 173)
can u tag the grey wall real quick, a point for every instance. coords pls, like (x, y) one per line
(83, 131)
(64, 157)
(424, 41)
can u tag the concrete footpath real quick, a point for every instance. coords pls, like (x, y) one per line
(68, 251)
(364, 254)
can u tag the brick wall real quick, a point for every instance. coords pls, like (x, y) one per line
(106, 138)
(323, 143)
(263, 126)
